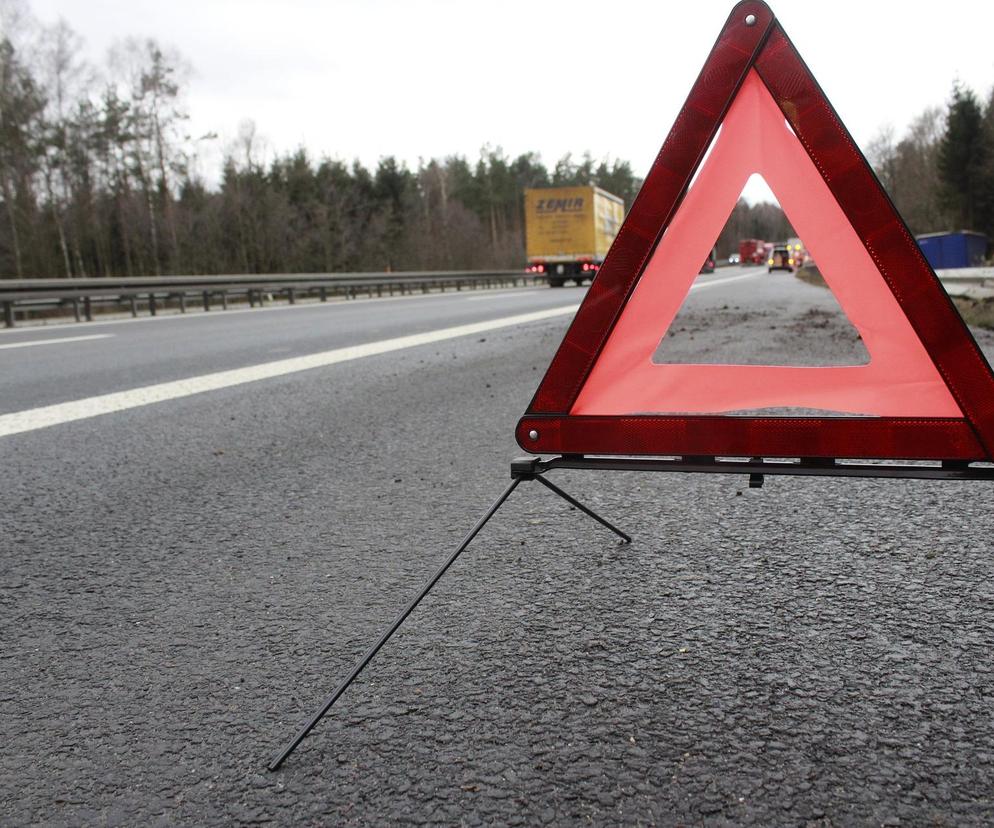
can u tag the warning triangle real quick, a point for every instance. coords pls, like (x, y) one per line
(900, 379)
(927, 391)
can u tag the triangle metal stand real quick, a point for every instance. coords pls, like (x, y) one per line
(533, 468)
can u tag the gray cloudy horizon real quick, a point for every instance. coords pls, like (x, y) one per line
(351, 79)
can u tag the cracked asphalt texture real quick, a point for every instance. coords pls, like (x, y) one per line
(183, 583)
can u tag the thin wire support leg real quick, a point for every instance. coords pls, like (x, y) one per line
(573, 501)
(361, 664)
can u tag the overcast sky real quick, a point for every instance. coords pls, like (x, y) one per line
(423, 78)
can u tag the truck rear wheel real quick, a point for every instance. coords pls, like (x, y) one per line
(556, 282)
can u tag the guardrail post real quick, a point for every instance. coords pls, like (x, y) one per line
(251, 297)
(134, 305)
(290, 296)
(8, 314)
(324, 293)
(88, 308)
(379, 290)
(75, 309)
(224, 300)
(182, 303)
(151, 304)
(207, 301)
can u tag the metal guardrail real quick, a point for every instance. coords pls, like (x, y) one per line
(969, 282)
(966, 274)
(80, 296)
(23, 296)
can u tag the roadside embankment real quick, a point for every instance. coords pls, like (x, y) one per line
(971, 289)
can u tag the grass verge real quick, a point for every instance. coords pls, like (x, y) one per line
(811, 275)
(976, 312)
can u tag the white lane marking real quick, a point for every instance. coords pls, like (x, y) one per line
(51, 415)
(726, 280)
(54, 341)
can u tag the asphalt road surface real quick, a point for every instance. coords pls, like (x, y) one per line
(207, 519)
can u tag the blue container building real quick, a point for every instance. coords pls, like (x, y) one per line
(963, 248)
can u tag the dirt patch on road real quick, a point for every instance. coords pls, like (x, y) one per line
(783, 324)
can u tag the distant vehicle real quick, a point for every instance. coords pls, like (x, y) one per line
(949, 250)
(709, 263)
(568, 231)
(780, 259)
(735, 258)
(798, 252)
(751, 251)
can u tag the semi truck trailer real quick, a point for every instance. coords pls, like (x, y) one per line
(568, 231)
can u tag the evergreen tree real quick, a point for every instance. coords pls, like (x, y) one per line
(961, 159)
(985, 204)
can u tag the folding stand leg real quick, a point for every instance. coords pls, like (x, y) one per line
(574, 502)
(517, 478)
(372, 651)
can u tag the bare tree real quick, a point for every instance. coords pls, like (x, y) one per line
(153, 80)
(908, 170)
(66, 79)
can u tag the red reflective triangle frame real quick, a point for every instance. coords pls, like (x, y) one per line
(765, 48)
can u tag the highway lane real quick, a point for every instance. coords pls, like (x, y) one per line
(165, 348)
(181, 583)
(127, 355)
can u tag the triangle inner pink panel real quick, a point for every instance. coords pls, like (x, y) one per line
(900, 379)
